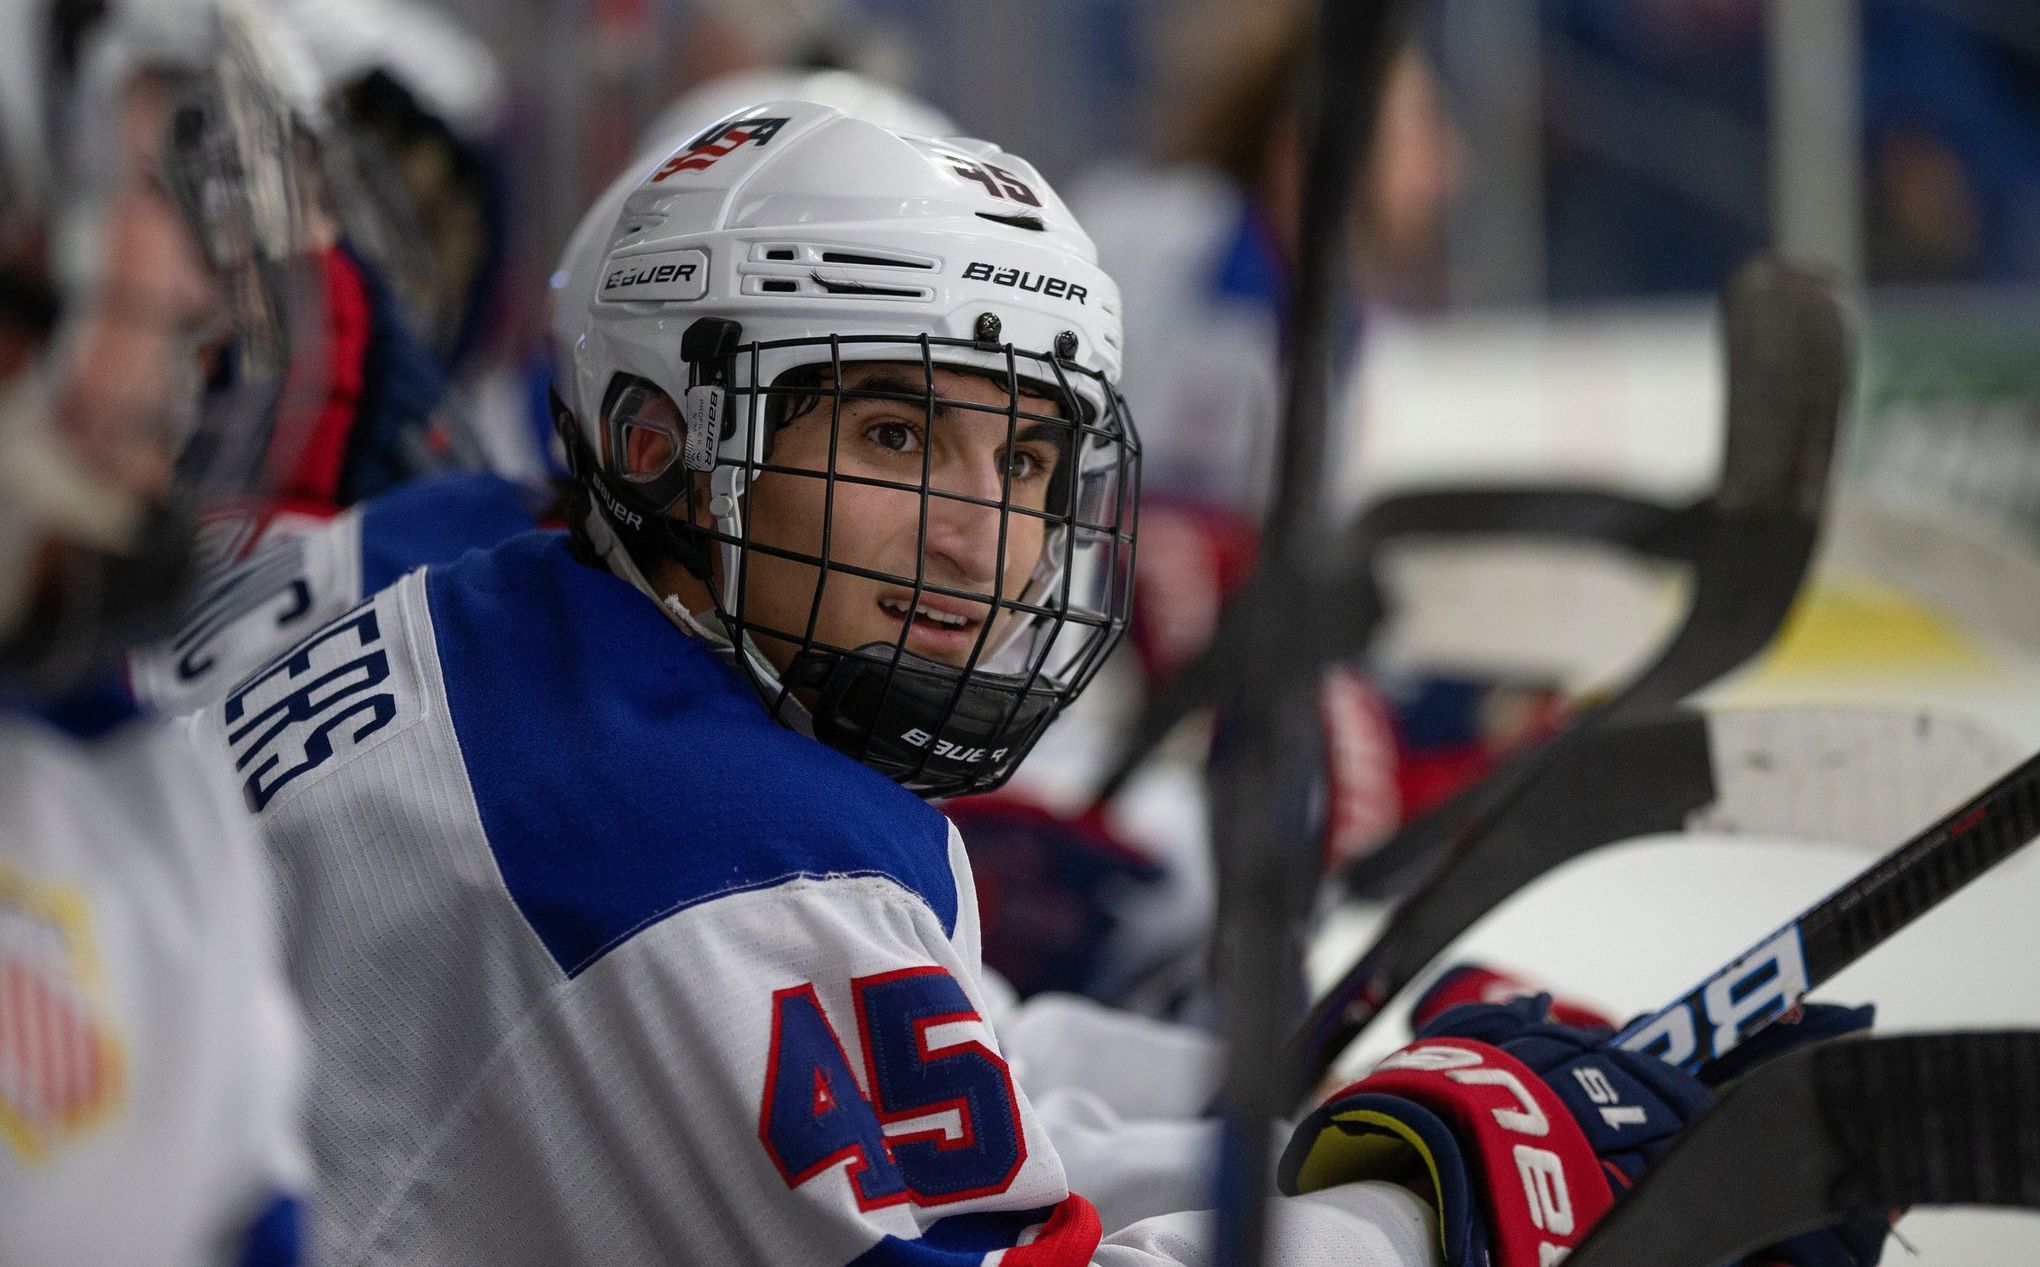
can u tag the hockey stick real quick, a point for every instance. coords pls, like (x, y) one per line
(1261, 776)
(1553, 512)
(1864, 1126)
(1771, 978)
(1788, 369)
(1750, 544)
(1842, 774)
(1353, 609)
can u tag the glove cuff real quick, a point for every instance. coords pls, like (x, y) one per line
(1510, 1168)
(1477, 983)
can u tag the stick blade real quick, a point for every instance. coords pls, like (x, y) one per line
(1841, 1129)
(1787, 348)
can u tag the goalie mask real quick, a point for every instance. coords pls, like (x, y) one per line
(844, 401)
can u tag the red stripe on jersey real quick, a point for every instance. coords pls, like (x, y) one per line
(1068, 1239)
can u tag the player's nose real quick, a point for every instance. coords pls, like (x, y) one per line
(967, 528)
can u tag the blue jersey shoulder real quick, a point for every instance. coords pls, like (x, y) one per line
(623, 773)
(436, 520)
(90, 710)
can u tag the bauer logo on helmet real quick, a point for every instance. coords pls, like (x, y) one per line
(666, 275)
(1021, 279)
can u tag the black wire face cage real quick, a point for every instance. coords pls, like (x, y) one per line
(940, 670)
(231, 159)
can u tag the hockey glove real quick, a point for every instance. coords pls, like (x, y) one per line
(1478, 983)
(1523, 1132)
(1049, 888)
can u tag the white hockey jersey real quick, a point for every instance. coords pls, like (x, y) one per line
(604, 966)
(149, 1047)
(295, 574)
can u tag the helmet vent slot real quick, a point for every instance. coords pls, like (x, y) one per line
(844, 286)
(779, 285)
(878, 261)
(842, 255)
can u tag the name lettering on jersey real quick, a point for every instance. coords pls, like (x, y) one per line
(330, 695)
(63, 1067)
(717, 143)
(1021, 279)
(274, 582)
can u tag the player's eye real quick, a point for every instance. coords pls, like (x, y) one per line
(894, 436)
(1024, 466)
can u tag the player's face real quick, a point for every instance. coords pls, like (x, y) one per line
(122, 401)
(965, 448)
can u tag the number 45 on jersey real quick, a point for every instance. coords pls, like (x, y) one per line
(940, 1123)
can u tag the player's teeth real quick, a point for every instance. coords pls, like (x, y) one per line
(945, 619)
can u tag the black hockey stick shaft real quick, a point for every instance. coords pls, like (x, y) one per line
(1822, 774)
(1547, 512)
(1863, 1127)
(1633, 778)
(1351, 601)
(1259, 782)
(1773, 976)
(1786, 349)
(1787, 355)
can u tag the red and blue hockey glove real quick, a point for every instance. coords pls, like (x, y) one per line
(1523, 1133)
(1478, 983)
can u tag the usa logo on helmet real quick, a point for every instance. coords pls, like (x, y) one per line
(718, 143)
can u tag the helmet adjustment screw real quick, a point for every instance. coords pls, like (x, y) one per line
(987, 329)
(1066, 346)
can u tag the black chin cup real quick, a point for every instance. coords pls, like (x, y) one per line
(929, 727)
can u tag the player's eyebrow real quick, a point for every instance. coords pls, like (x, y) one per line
(913, 388)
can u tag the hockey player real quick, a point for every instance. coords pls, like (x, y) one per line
(149, 1048)
(621, 932)
(603, 962)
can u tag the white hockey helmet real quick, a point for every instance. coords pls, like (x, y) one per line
(688, 116)
(414, 158)
(749, 267)
(225, 159)
(452, 74)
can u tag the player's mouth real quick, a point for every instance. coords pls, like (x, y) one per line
(938, 627)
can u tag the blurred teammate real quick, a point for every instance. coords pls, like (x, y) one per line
(419, 108)
(148, 1045)
(303, 569)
